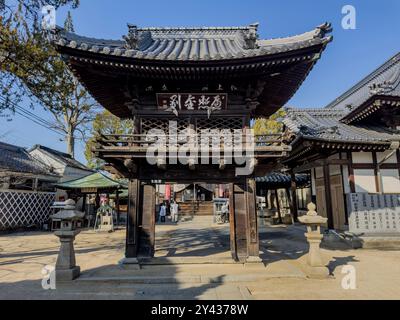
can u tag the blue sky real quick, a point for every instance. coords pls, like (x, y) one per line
(352, 54)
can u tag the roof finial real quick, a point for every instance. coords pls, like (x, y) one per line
(324, 29)
(132, 39)
(251, 36)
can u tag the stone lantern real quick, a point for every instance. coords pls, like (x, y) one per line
(315, 266)
(65, 223)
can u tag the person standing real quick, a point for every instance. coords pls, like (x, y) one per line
(225, 212)
(163, 212)
(174, 211)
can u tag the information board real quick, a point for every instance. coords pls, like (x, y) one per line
(374, 213)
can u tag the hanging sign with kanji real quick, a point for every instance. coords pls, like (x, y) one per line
(176, 102)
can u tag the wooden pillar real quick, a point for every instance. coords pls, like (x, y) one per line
(253, 241)
(293, 192)
(378, 187)
(278, 206)
(117, 206)
(351, 173)
(147, 221)
(243, 221)
(132, 219)
(398, 160)
(289, 197)
(84, 203)
(328, 196)
(232, 222)
(238, 210)
(97, 201)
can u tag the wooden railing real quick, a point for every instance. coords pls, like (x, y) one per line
(145, 140)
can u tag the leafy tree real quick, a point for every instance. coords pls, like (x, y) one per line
(68, 24)
(271, 125)
(105, 123)
(24, 49)
(31, 67)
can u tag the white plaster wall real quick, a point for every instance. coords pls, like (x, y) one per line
(362, 157)
(390, 180)
(365, 180)
(73, 173)
(56, 165)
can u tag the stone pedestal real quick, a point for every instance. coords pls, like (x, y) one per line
(66, 268)
(315, 267)
(129, 263)
(254, 259)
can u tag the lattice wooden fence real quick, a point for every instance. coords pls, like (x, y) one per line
(24, 209)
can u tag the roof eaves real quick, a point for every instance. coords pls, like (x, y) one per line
(393, 60)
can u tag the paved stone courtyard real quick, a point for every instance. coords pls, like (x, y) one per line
(193, 262)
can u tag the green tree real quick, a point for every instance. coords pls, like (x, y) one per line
(271, 125)
(24, 49)
(105, 123)
(30, 67)
(68, 24)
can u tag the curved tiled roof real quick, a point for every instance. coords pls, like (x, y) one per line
(17, 159)
(281, 180)
(182, 44)
(325, 124)
(94, 180)
(385, 80)
(61, 156)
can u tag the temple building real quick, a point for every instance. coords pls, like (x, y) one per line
(179, 84)
(351, 150)
(26, 189)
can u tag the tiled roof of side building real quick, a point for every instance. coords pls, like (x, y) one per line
(385, 80)
(61, 156)
(182, 44)
(325, 124)
(17, 159)
(282, 180)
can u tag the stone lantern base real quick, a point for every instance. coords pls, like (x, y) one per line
(66, 268)
(315, 268)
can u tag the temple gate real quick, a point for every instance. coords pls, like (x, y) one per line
(177, 84)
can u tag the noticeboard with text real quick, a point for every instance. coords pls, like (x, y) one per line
(374, 213)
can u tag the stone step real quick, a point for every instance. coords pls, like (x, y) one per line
(208, 273)
(202, 208)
